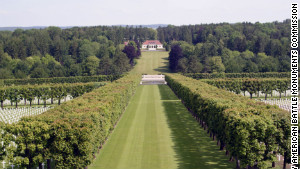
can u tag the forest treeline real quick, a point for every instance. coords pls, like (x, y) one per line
(78, 51)
(230, 48)
(85, 51)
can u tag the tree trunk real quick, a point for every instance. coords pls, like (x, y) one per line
(227, 153)
(40, 166)
(284, 93)
(284, 160)
(2, 104)
(48, 164)
(272, 93)
(30, 103)
(51, 100)
(45, 103)
(250, 95)
(222, 145)
(38, 101)
(279, 94)
(238, 164)
(59, 101)
(258, 94)
(273, 164)
(266, 96)
(29, 165)
(16, 104)
(11, 103)
(25, 102)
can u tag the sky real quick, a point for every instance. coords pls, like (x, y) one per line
(139, 12)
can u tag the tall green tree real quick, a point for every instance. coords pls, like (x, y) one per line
(216, 65)
(91, 65)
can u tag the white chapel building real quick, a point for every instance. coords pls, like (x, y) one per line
(152, 45)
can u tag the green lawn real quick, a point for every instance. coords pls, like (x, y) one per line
(152, 63)
(142, 138)
(157, 132)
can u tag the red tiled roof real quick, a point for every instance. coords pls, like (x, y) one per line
(152, 42)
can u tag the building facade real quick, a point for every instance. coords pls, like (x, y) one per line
(152, 45)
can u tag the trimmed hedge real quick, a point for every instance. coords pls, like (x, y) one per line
(250, 131)
(73, 133)
(239, 75)
(72, 79)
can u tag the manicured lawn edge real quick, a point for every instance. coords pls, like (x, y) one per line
(251, 132)
(72, 134)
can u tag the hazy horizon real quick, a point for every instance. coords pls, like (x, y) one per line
(65, 13)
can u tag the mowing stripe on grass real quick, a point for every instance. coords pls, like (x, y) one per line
(142, 138)
(157, 132)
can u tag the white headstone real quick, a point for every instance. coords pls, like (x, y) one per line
(3, 162)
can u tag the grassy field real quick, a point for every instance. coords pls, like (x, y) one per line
(157, 132)
(142, 139)
(152, 63)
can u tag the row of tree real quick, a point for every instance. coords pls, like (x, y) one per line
(44, 92)
(53, 52)
(252, 86)
(187, 58)
(57, 80)
(238, 75)
(72, 134)
(252, 133)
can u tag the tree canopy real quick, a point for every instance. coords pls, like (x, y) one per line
(56, 52)
(239, 47)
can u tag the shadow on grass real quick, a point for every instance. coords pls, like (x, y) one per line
(163, 69)
(194, 148)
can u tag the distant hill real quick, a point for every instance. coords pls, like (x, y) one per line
(153, 26)
(30, 27)
(25, 28)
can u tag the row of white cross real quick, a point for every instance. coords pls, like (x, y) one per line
(12, 165)
(12, 115)
(281, 103)
(274, 93)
